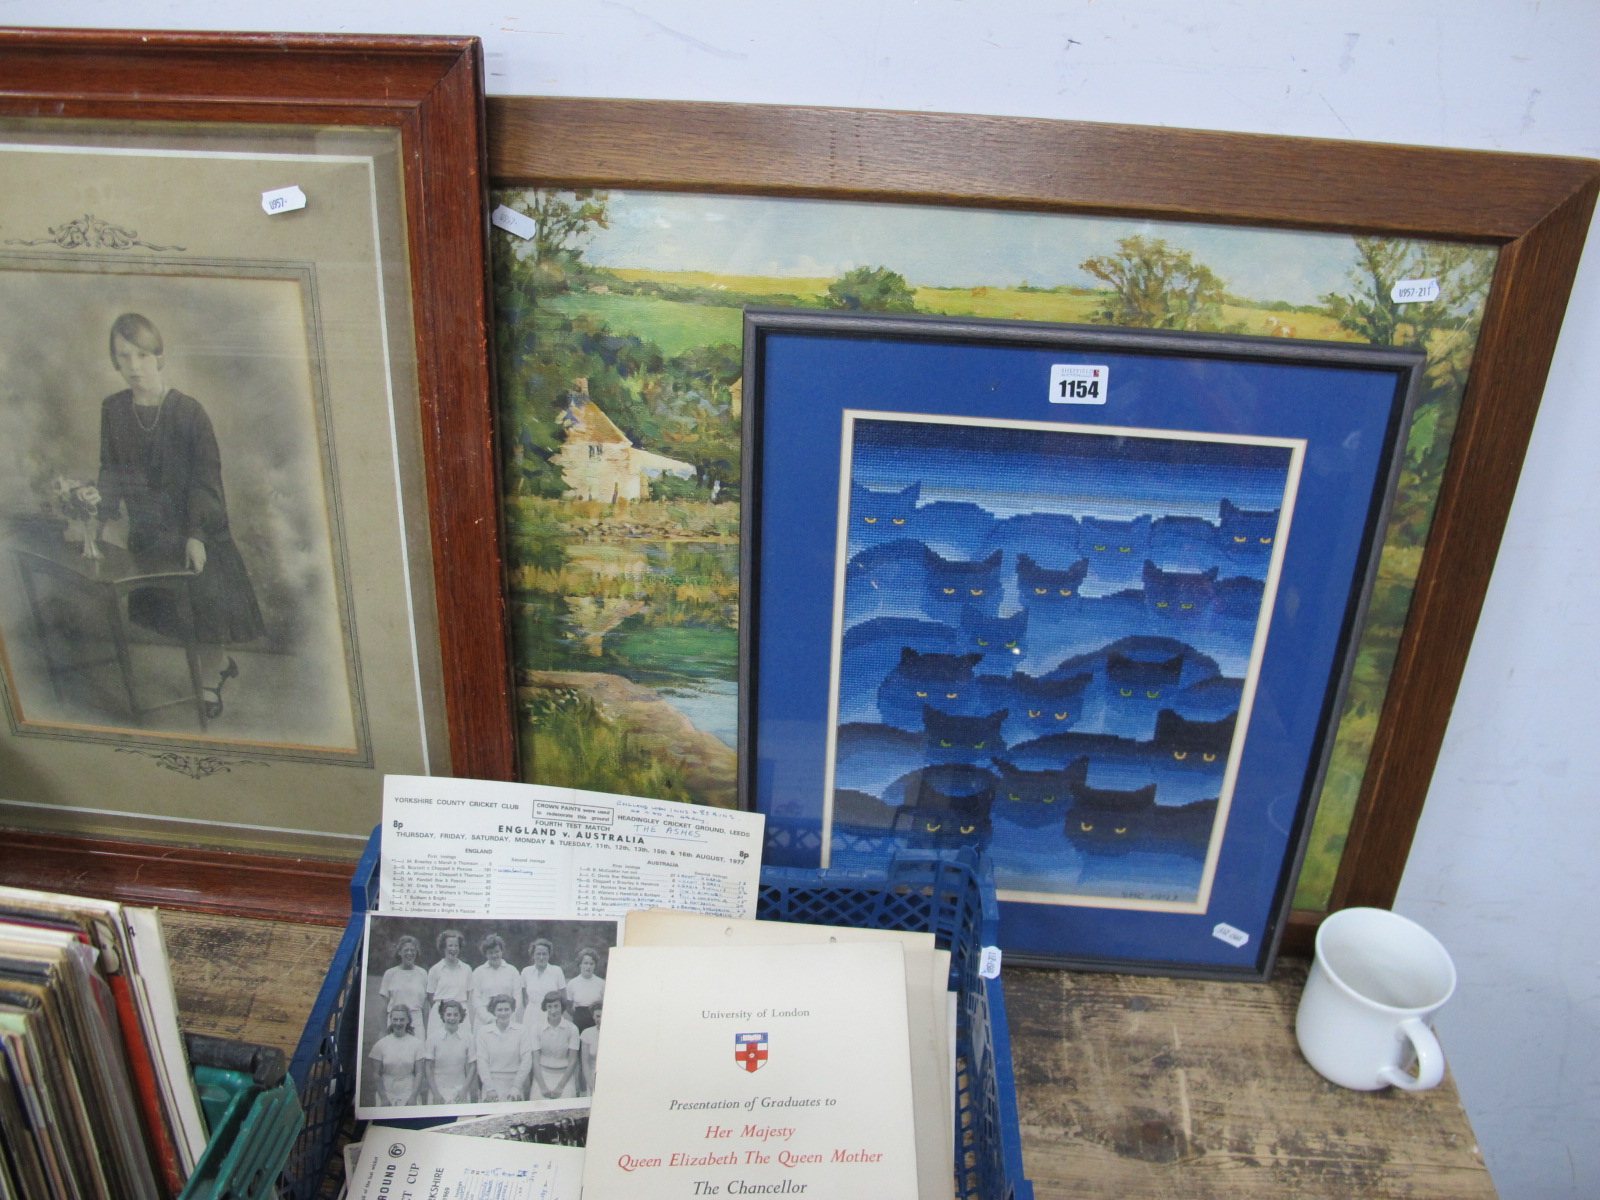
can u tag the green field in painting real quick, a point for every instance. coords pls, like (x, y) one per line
(679, 325)
(674, 327)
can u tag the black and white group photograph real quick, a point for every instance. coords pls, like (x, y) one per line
(474, 1015)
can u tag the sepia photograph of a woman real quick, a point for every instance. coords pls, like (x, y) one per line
(160, 462)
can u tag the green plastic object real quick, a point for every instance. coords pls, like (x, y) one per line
(252, 1131)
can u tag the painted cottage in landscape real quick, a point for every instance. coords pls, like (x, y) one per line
(599, 462)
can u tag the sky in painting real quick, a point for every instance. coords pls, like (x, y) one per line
(942, 247)
(1008, 471)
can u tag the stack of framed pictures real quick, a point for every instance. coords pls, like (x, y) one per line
(682, 216)
(292, 231)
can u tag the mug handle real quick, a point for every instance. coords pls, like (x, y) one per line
(1430, 1059)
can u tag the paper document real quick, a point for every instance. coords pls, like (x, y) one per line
(413, 1164)
(470, 847)
(928, 1011)
(754, 1070)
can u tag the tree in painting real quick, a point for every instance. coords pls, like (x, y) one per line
(872, 289)
(1157, 286)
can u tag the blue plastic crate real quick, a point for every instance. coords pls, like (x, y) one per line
(947, 893)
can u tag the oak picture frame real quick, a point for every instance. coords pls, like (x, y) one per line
(428, 92)
(1535, 210)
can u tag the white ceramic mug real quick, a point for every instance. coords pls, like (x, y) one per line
(1376, 980)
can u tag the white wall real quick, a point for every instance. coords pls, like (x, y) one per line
(1502, 865)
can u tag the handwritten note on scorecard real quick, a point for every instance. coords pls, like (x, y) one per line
(464, 846)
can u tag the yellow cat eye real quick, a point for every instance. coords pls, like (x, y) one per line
(1266, 541)
(982, 642)
(1208, 758)
(1040, 591)
(1162, 604)
(1180, 755)
(968, 828)
(1085, 826)
(1241, 539)
(951, 695)
(949, 591)
(922, 695)
(1123, 829)
(1123, 549)
(1048, 799)
(1066, 591)
(870, 520)
(1186, 605)
(899, 520)
(1061, 716)
(1099, 547)
(976, 591)
(1126, 691)
(1155, 695)
(932, 828)
(1035, 712)
(1011, 645)
(1017, 799)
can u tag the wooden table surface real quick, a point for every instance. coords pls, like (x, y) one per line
(1128, 1088)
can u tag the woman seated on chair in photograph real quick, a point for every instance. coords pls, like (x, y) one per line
(159, 457)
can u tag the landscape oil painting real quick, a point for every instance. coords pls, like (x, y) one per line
(1045, 640)
(622, 412)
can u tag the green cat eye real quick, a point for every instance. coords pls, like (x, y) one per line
(1155, 695)
(1126, 691)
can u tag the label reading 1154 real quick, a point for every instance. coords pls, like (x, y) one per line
(1074, 384)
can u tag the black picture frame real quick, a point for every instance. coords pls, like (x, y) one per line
(1192, 866)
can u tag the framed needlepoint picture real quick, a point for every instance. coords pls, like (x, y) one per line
(1078, 599)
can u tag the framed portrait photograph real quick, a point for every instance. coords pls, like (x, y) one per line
(622, 392)
(1081, 600)
(248, 555)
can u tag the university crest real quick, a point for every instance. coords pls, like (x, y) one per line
(750, 1050)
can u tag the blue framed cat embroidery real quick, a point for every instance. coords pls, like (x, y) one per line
(1035, 614)
(1102, 652)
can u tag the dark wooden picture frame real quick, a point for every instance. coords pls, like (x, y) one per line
(1535, 210)
(429, 90)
